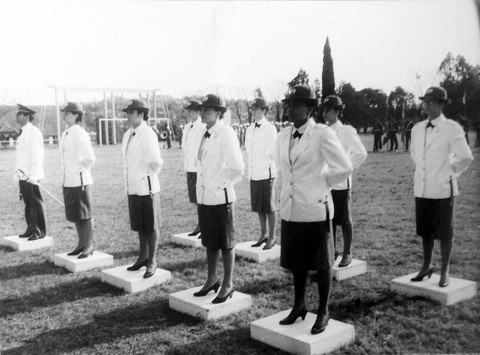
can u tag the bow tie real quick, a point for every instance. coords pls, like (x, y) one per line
(257, 125)
(297, 134)
(430, 125)
(206, 135)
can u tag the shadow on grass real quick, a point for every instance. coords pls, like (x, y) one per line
(221, 343)
(124, 254)
(6, 249)
(30, 269)
(61, 293)
(184, 265)
(105, 328)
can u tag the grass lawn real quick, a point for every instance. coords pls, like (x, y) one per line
(45, 309)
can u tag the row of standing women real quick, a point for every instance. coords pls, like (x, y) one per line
(304, 171)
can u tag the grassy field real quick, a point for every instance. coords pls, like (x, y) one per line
(45, 309)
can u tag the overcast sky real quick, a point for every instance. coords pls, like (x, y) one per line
(184, 48)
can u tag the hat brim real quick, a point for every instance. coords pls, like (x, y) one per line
(139, 109)
(313, 102)
(72, 111)
(222, 109)
(423, 98)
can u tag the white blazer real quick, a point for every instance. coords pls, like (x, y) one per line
(219, 166)
(307, 173)
(77, 157)
(191, 137)
(260, 147)
(439, 157)
(353, 146)
(141, 161)
(29, 153)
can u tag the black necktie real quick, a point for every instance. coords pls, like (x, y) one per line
(297, 134)
(429, 124)
(206, 135)
(257, 125)
(191, 126)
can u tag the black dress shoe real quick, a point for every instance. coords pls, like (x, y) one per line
(214, 287)
(421, 276)
(195, 232)
(148, 274)
(25, 235)
(137, 265)
(77, 251)
(259, 243)
(320, 323)
(292, 317)
(86, 253)
(346, 260)
(444, 280)
(35, 237)
(269, 245)
(219, 299)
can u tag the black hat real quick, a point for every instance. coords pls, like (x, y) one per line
(73, 107)
(302, 93)
(25, 110)
(332, 101)
(215, 101)
(136, 105)
(436, 93)
(259, 102)
(194, 105)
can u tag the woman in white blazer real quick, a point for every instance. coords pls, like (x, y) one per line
(77, 160)
(219, 166)
(260, 140)
(440, 153)
(332, 108)
(142, 163)
(310, 160)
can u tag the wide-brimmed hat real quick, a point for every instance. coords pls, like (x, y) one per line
(136, 105)
(436, 93)
(193, 105)
(259, 102)
(301, 93)
(332, 101)
(25, 110)
(215, 101)
(73, 107)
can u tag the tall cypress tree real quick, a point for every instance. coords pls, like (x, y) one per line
(328, 78)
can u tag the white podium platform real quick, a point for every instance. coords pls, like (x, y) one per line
(458, 289)
(133, 281)
(73, 264)
(297, 338)
(23, 244)
(184, 239)
(257, 254)
(202, 307)
(356, 267)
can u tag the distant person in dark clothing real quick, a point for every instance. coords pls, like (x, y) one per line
(377, 136)
(392, 135)
(408, 133)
